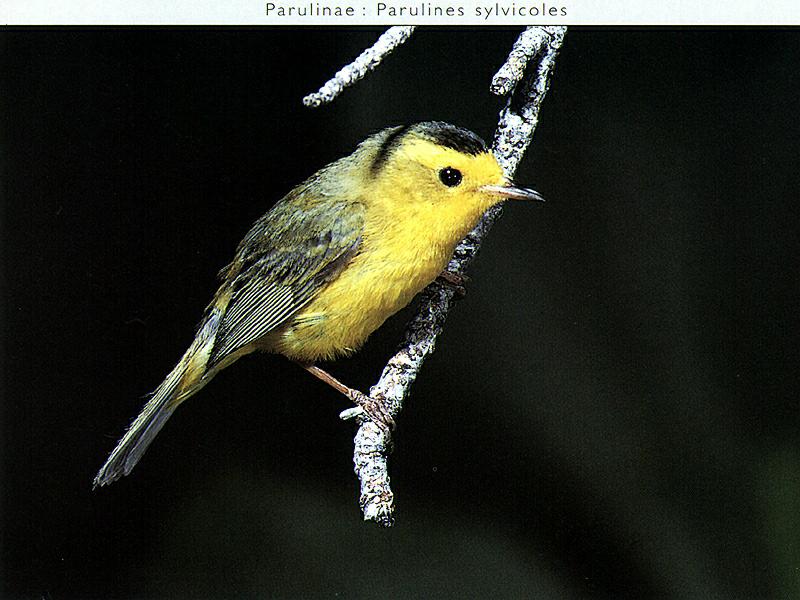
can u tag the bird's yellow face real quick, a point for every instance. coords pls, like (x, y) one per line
(440, 187)
(446, 178)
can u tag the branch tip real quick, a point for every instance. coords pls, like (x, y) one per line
(367, 61)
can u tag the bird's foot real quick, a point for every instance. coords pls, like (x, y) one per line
(454, 280)
(371, 408)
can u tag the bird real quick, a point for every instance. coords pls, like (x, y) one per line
(331, 261)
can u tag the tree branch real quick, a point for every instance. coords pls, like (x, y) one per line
(367, 61)
(515, 128)
(523, 50)
(514, 133)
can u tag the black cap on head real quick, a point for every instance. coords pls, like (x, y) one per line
(438, 132)
(450, 136)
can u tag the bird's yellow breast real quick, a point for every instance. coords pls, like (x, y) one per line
(394, 263)
(389, 270)
(345, 313)
(410, 232)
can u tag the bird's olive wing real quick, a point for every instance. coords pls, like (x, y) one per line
(288, 256)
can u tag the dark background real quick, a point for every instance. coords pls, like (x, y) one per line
(612, 409)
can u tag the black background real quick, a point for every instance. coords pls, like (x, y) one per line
(612, 409)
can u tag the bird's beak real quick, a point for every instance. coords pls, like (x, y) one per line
(512, 193)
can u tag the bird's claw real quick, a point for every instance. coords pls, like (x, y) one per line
(373, 409)
(454, 280)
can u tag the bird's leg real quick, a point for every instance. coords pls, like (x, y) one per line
(372, 408)
(455, 280)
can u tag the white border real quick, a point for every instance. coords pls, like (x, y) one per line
(389, 12)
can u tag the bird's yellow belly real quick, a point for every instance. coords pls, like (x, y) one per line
(367, 292)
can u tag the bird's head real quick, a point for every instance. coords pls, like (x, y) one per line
(444, 167)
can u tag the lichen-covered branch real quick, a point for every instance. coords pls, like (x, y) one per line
(523, 50)
(515, 127)
(367, 61)
(513, 134)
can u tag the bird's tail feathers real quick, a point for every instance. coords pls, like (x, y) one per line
(185, 380)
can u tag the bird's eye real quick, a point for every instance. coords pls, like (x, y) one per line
(450, 177)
